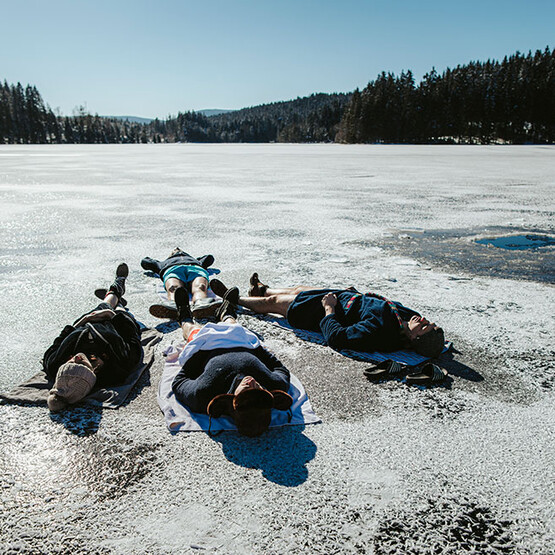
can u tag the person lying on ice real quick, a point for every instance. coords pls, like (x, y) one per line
(100, 349)
(225, 370)
(183, 270)
(346, 318)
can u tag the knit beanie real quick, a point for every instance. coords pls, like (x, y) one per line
(73, 382)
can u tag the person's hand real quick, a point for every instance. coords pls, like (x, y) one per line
(101, 315)
(328, 302)
(96, 316)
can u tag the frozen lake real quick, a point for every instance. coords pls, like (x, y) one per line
(391, 467)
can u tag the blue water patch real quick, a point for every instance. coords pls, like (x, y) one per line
(519, 242)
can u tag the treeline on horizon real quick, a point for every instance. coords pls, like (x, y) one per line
(512, 101)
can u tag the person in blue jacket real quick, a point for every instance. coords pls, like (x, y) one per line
(347, 318)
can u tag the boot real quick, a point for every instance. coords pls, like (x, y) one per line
(224, 311)
(184, 314)
(231, 294)
(118, 286)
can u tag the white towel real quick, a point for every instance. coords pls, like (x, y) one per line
(214, 336)
(219, 336)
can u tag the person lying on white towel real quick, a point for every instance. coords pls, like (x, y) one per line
(226, 371)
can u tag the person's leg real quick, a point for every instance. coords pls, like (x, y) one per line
(112, 299)
(274, 304)
(288, 290)
(187, 328)
(258, 289)
(199, 288)
(171, 284)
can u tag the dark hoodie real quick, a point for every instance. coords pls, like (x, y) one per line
(178, 259)
(116, 341)
(210, 373)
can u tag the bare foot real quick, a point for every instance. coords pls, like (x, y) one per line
(256, 289)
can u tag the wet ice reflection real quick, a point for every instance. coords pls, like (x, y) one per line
(519, 242)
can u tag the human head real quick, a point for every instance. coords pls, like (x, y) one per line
(431, 344)
(176, 251)
(424, 337)
(74, 381)
(251, 408)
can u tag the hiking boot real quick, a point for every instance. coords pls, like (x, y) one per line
(205, 307)
(218, 287)
(122, 270)
(181, 296)
(226, 310)
(163, 311)
(118, 286)
(231, 294)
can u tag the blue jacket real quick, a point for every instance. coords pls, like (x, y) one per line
(364, 323)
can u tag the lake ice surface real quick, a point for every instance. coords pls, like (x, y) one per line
(476, 454)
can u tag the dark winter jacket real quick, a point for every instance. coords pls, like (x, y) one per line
(361, 322)
(210, 373)
(364, 323)
(181, 258)
(116, 341)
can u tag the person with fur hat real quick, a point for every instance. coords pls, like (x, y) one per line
(346, 318)
(226, 371)
(100, 349)
(181, 269)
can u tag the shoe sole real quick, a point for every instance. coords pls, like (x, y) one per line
(122, 270)
(181, 299)
(163, 311)
(101, 293)
(206, 310)
(218, 287)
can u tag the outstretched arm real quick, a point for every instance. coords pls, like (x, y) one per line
(362, 336)
(206, 261)
(151, 265)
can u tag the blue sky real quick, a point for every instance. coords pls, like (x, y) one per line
(154, 58)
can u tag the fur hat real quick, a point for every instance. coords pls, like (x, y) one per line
(73, 382)
(251, 410)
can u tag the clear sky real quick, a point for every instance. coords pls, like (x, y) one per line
(153, 58)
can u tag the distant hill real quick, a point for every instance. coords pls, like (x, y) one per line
(132, 119)
(310, 119)
(508, 101)
(215, 112)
